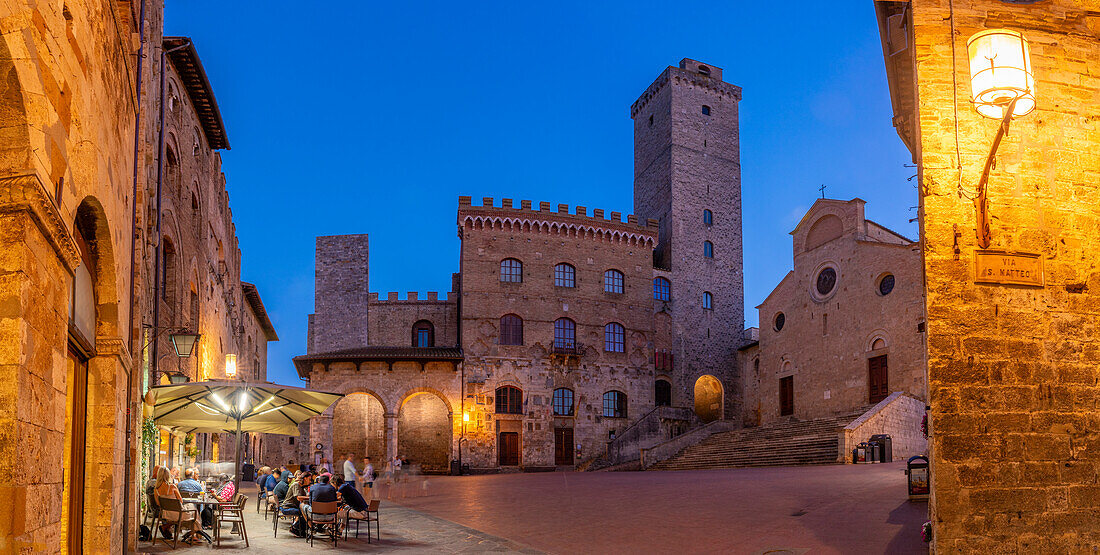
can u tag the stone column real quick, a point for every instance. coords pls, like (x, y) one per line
(391, 436)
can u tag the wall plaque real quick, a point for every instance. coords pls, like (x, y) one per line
(1010, 268)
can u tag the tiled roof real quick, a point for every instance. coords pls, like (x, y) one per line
(253, 297)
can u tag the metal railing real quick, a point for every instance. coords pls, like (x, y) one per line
(566, 347)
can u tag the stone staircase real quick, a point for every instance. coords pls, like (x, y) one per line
(786, 443)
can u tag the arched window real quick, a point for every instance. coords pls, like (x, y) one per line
(511, 330)
(708, 217)
(423, 334)
(662, 393)
(172, 170)
(614, 404)
(708, 300)
(565, 333)
(168, 268)
(662, 289)
(565, 275)
(613, 281)
(563, 402)
(511, 270)
(614, 338)
(509, 400)
(708, 249)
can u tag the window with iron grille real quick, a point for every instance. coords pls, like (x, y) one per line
(511, 330)
(511, 270)
(614, 338)
(565, 275)
(662, 289)
(509, 400)
(565, 333)
(613, 281)
(563, 402)
(614, 404)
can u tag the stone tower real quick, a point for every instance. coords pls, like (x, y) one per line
(340, 294)
(687, 164)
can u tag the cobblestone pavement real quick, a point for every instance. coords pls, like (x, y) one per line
(817, 509)
(403, 530)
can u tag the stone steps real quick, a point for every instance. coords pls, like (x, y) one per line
(780, 444)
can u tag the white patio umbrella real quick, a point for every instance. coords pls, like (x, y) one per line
(236, 407)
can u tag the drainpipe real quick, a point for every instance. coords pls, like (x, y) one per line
(133, 287)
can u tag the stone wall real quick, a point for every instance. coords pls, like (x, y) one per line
(391, 320)
(1012, 369)
(826, 341)
(687, 161)
(68, 117)
(358, 427)
(898, 416)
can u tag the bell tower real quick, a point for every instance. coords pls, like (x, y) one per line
(687, 175)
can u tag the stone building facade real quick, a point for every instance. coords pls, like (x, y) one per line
(79, 250)
(1012, 369)
(563, 328)
(844, 328)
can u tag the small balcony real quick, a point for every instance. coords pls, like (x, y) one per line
(566, 347)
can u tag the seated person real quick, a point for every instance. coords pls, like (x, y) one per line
(280, 488)
(321, 491)
(225, 490)
(189, 483)
(165, 488)
(296, 497)
(354, 503)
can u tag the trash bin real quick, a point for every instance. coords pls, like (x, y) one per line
(886, 447)
(455, 469)
(248, 472)
(916, 468)
(873, 452)
(861, 452)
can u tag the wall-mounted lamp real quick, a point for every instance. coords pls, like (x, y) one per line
(176, 378)
(184, 343)
(230, 366)
(1002, 87)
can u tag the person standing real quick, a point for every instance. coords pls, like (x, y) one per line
(367, 477)
(349, 470)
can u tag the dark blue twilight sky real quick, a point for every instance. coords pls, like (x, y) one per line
(368, 117)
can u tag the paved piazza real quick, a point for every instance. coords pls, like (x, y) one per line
(824, 509)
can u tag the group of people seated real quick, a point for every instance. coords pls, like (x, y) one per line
(294, 493)
(167, 483)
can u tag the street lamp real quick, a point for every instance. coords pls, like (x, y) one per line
(184, 343)
(1002, 86)
(231, 366)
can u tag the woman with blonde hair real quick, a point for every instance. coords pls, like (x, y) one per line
(165, 488)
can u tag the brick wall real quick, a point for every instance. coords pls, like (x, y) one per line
(391, 320)
(1012, 370)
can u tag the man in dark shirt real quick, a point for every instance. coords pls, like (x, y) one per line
(322, 492)
(356, 505)
(292, 503)
(281, 488)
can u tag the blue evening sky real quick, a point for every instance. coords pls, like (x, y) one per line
(368, 117)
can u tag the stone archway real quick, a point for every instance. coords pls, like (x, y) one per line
(709, 398)
(359, 428)
(424, 432)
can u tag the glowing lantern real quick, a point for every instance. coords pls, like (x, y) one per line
(230, 366)
(1000, 72)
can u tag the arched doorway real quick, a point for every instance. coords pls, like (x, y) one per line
(359, 428)
(424, 432)
(709, 398)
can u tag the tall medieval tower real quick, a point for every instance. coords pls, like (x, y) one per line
(687, 175)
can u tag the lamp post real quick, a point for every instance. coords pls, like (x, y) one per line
(1002, 87)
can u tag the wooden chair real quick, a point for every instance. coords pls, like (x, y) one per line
(232, 513)
(271, 506)
(323, 513)
(279, 514)
(372, 509)
(186, 516)
(152, 512)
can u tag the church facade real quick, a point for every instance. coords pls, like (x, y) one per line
(563, 327)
